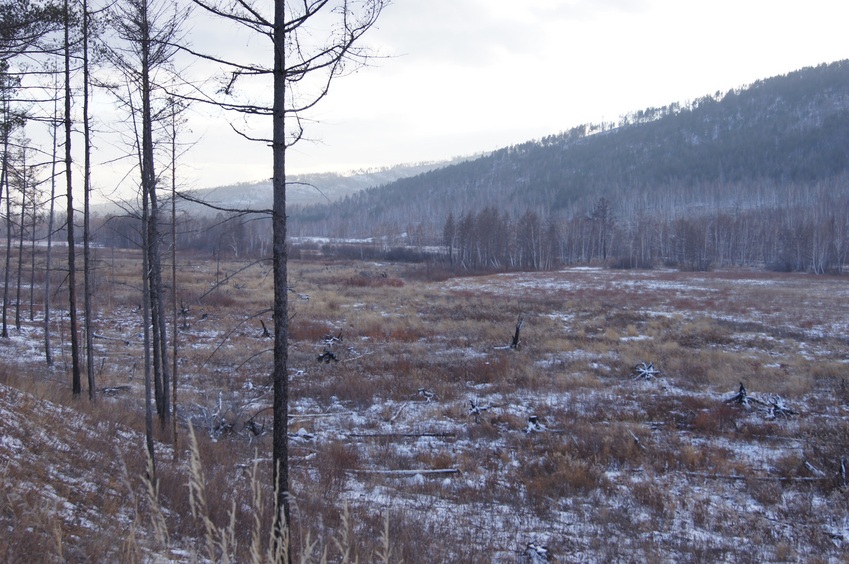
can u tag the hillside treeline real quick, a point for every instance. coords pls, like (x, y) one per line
(804, 229)
(756, 174)
(812, 237)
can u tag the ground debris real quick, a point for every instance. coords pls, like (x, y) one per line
(772, 407)
(644, 371)
(536, 554)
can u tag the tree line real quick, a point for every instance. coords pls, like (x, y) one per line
(801, 229)
(801, 238)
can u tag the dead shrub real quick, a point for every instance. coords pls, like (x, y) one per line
(333, 461)
(367, 280)
(434, 459)
(558, 475)
(766, 492)
(310, 330)
(604, 445)
(721, 418)
(655, 498)
(484, 370)
(704, 332)
(788, 466)
(481, 431)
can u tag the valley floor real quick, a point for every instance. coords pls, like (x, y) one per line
(409, 410)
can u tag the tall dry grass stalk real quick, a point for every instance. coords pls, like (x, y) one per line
(214, 537)
(385, 552)
(130, 550)
(157, 519)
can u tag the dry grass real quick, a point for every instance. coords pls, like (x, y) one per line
(618, 467)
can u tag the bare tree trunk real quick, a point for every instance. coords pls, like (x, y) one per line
(157, 303)
(5, 334)
(76, 385)
(33, 225)
(24, 181)
(174, 277)
(87, 290)
(280, 376)
(148, 403)
(325, 64)
(148, 180)
(4, 184)
(48, 353)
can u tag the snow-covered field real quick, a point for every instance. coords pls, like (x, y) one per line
(474, 451)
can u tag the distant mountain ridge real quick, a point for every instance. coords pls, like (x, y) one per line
(302, 189)
(722, 149)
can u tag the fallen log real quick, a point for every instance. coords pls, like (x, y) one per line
(397, 413)
(709, 476)
(105, 338)
(774, 406)
(317, 415)
(114, 390)
(400, 435)
(408, 472)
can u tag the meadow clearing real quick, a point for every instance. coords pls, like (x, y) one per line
(418, 434)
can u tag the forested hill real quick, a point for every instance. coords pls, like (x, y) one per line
(737, 149)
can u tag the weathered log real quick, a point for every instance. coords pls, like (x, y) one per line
(397, 413)
(774, 406)
(476, 409)
(329, 340)
(637, 440)
(105, 338)
(736, 477)
(436, 435)
(408, 472)
(318, 415)
(114, 390)
(777, 408)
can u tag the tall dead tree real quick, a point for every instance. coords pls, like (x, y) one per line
(23, 181)
(76, 370)
(147, 31)
(7, 125)
(296, 62)
(87, 275)
(48, 262)
(176, 109)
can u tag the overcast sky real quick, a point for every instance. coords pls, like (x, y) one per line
(466, 76)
